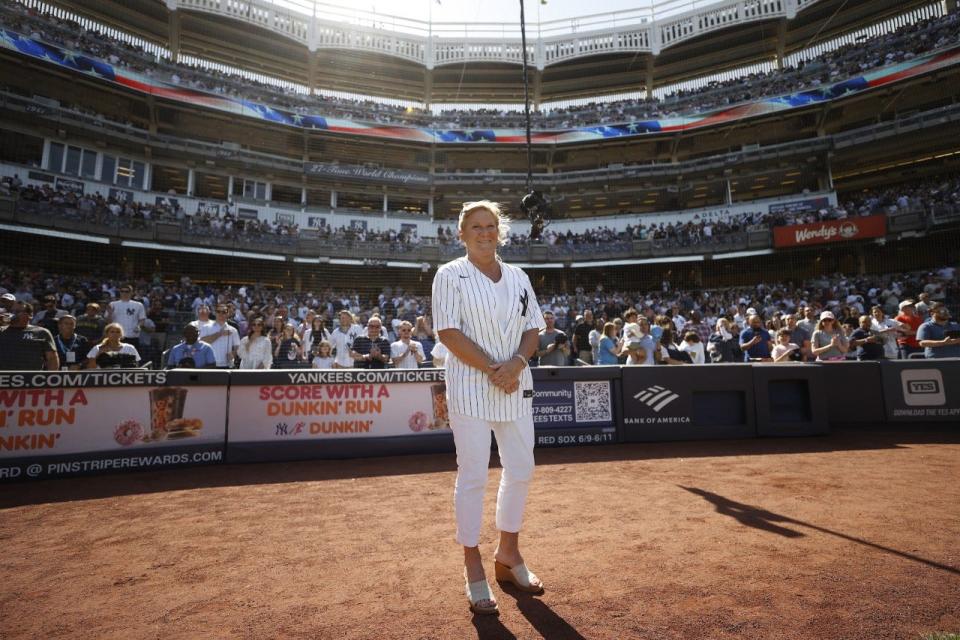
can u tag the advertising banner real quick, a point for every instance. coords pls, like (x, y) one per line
(210, 208)
(94, 67)
(799, 206)
(573, 412)
(70, 423)
(358, 172)
(927, 390)
(801, 235)
(688, 403)
(121, 195)
(339, 413)
(73, 186)
(318, 405)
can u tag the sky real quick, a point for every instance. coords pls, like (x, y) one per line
(500, 10)
(493, 11)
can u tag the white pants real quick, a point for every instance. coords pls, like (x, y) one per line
(515, 445)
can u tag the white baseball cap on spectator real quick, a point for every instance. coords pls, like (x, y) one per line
(8, 297)
(752, 312)
(826, 315)
(905, 303)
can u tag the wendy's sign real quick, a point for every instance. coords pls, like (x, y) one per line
(830, 231)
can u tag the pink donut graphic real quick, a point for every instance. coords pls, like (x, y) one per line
(128, 432)
(418, 421)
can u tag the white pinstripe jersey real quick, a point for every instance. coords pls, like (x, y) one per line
(464, 299)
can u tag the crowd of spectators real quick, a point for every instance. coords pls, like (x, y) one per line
(852, 59)
(828, 318)
(825, 318)
(224, 223)
(941, 193)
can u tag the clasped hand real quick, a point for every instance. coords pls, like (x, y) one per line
(506, 375)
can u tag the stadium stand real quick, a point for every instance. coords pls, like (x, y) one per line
(903, 44)
(189, 201)
(937, 199)
(171, 305)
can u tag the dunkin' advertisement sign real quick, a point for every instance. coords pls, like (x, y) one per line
(830, 231)
(341, 403)
(65, 423)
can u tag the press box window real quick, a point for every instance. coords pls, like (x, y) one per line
(254, 190)
(55, 158)
(108, 170)
(88, 164)
(72, 166)
(130, 173)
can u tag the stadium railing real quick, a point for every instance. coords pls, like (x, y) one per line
(48, 215)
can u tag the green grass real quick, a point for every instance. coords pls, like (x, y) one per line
(942, 636)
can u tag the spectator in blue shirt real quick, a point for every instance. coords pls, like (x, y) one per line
(192, 353)
(755, 341)
(609, 349)
(939, 337)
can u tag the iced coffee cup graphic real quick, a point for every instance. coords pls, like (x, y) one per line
(166, 407)
(441, 419)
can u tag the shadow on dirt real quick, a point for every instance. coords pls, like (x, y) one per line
(759, 518)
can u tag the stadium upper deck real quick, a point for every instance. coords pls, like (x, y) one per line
(898, 115)
(322, 47)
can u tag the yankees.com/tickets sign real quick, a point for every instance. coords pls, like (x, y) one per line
(294, 406)
(69, 423)
(801, 235)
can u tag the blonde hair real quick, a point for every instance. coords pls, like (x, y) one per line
(503, 222)
(106, 332)
(819, 325)
(327, 344)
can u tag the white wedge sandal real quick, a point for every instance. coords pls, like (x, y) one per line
(478, 592)
(521, 577)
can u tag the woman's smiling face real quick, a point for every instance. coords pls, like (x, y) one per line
(480, 233)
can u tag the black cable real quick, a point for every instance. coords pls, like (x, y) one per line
(526, 95)
(533, 203)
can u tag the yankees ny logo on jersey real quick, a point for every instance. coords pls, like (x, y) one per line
(524, 299)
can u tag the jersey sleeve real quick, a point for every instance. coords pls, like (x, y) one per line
(534, 314)
(446, 301)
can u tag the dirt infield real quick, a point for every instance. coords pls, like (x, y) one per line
(855, 535)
